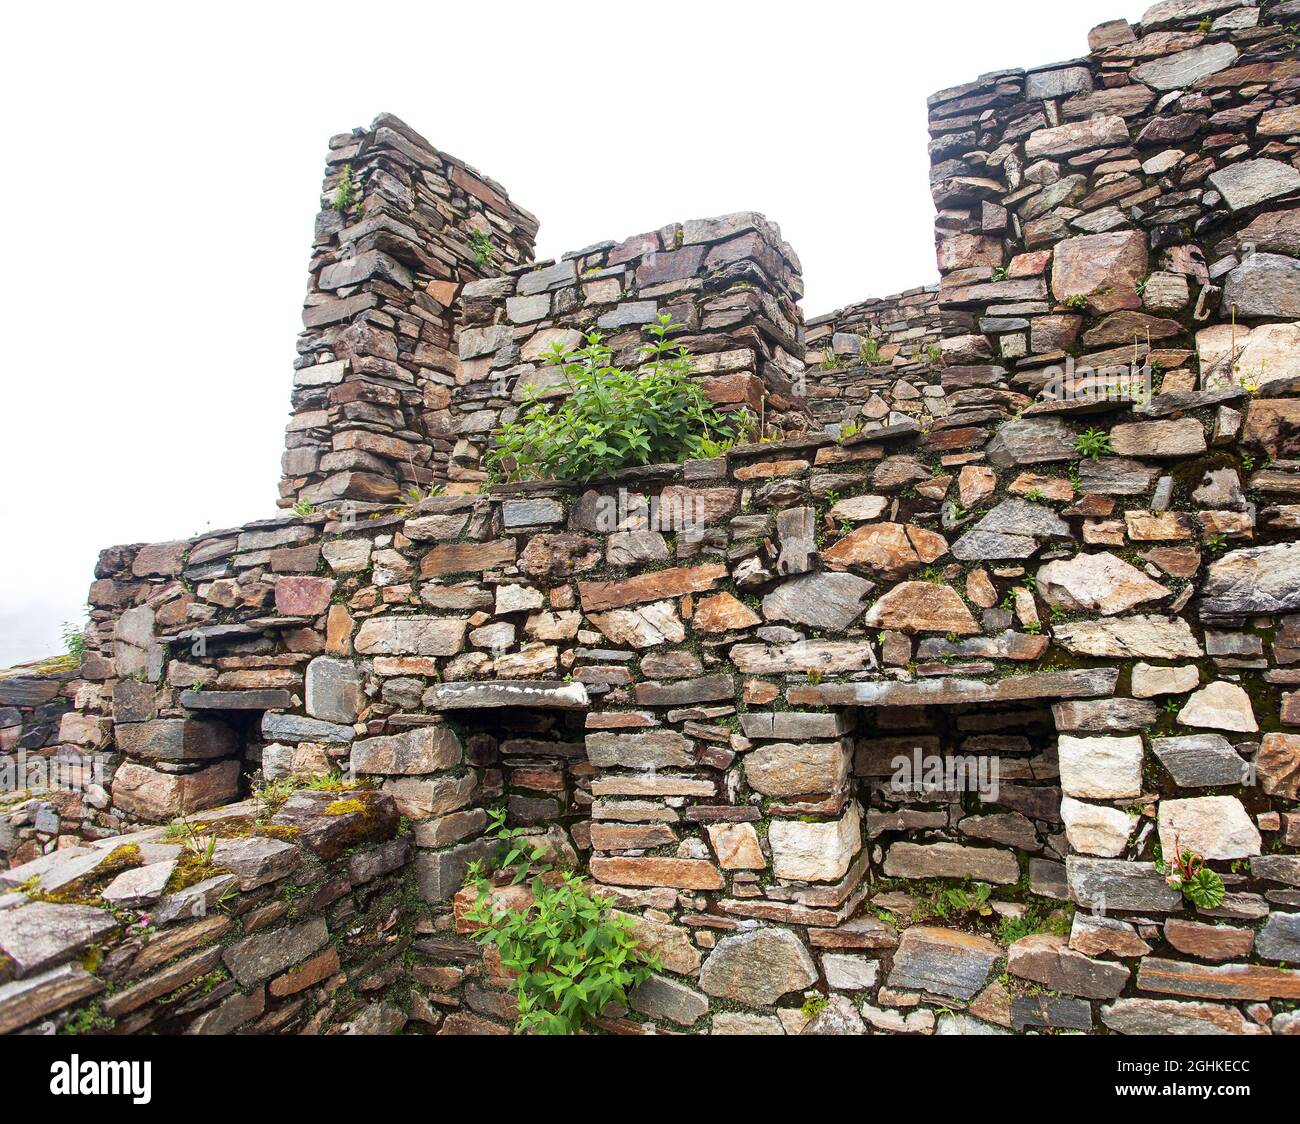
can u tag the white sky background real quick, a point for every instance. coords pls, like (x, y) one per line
(164, 163)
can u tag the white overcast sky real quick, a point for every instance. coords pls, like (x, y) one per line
(164, 163)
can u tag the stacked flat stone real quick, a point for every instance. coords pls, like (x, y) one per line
(731, 283)
(717, 687)
(905, 330)
(377, 355)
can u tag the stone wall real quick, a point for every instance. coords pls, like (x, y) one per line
(858, 352)
(35, 813)
(731, 283)
(267, 917)
(876, 732)
(401, 229)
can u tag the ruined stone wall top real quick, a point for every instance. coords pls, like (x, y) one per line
(402, 228)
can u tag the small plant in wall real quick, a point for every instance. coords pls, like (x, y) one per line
(481, 245)
(74, 638)
(1188, 874)
(1092, 443)
(611, 418)
(569, 955)
(869, 352)
(346, 193)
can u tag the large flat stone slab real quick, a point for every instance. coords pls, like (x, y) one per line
(943, 962)
(541, 694)
(1082, 683)
(39, 935)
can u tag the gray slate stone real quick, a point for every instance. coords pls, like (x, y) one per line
(1031, 441)
(1265, 285)
(942, 962)
(1279, 939)
(1116, 476)
(1247, 182)
(826, 600)
(662, 998)
(756, 968)
(658, 749)
(1057, 1011)
(1108, 885)
(1200, 760)
(294, 727)
(259, 957)
(426, 749)
(1102, 715)
(41, 934)
(140, 886)
(1261, 579)
(255, 860)
(334, 691)
(25, 1000)
(175, 739)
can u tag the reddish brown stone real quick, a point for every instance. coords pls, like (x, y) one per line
(766, 469)
(682, 508)
(467, 557)
(1209, 942)
(1227, 981)
(722, 613)
(1278, 762)
(309, 972)
(1176, 561)
(683, 874)
(891, 549)
(163, 559)
(303, 597)
(655, 586)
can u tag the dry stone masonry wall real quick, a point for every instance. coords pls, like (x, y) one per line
(731, 284)
(401, 229)
(868, 728)
(868, 357)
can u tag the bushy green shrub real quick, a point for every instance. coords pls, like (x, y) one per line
(613, 418)
(570, 955)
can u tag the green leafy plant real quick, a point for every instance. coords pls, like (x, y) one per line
(570, 956)
(934, 353)
(814, 1006)
(304, 508)
(345, 194)
(74, 638)
(1079, 300)
(1035, 495)
(612, 418)
(869, 352)
(1092, 443)
(1215, 543)
(481, 245)
(1189, 875)
(831, 361)
(970, 899)
(1000, 273)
